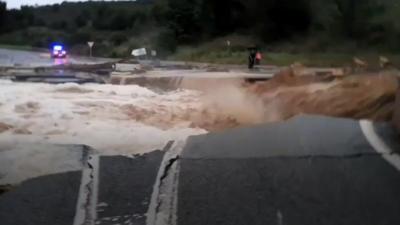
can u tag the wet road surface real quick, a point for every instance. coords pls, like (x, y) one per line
(309, 170)
(33, 59)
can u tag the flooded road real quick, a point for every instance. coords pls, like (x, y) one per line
(113, 119)
(33, 59)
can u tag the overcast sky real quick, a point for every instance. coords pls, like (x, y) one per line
(18, 3)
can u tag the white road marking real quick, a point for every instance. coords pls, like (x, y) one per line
(85, 213)
(80, 212)
(378, 144)
(95, 162)
(279, 217)
(163, 204)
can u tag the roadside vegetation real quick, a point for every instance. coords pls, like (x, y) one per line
(313, 32)
(20, 47)
(314, 59)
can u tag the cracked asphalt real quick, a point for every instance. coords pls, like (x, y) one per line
(308, 170)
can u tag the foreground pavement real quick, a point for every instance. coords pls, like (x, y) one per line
(309, 170)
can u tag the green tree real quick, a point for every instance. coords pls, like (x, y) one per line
(119, 22)
(118, 38)
(159, 11)
(80, 37)
(80, 21)
(166, 42)
(277, 20)
(184, 18)
(3, 11)
(27, 16)
(222, 17)
(349, 18)
(101, 18)
(55, 8)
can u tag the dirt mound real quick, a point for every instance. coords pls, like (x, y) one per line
(288, 78)
(359, 97)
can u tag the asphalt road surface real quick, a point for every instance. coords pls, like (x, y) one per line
(33, 59)
(309, 170)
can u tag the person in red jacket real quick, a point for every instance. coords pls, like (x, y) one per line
(258, 58)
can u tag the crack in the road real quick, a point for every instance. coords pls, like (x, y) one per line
(162, 209)
(88, 203)
(167, 168)
(86, 208)
(167, 197)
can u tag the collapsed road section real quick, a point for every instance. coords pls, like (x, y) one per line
(308, 170)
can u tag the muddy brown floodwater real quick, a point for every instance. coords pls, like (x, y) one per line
(227, 103)
(118, 119)
(365, 96)
(231, 103)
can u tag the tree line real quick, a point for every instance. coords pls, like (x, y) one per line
(182, 22)
(274, 20)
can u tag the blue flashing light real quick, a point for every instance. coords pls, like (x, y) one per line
(57, 47)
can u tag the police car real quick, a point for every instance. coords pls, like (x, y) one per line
(58, 52)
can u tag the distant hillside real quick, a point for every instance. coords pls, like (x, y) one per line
(102, 15)
(167, 25)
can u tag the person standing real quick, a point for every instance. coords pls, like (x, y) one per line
(252, 57)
